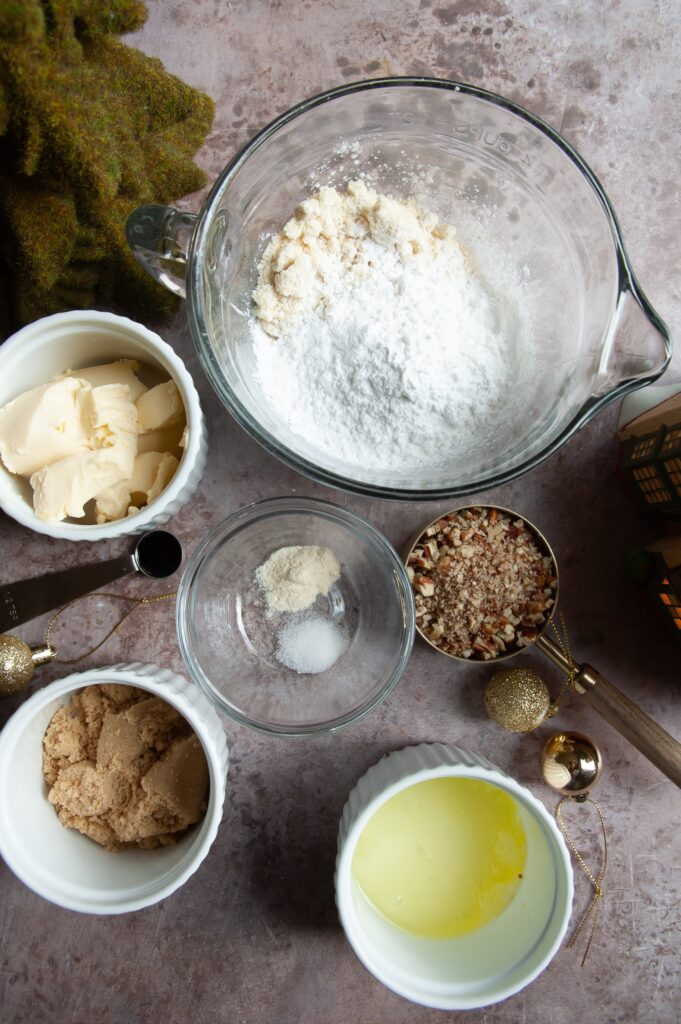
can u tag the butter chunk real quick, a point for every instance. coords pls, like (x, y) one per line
(43, 426)
(111, 416)
(113, 503)
(165, 471)
(63, 488)
(167, 439)
(120, 372)
(159, 407)
(152, 472)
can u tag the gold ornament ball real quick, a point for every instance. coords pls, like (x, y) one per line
(518, 699)
(571, 763)
(16, 665)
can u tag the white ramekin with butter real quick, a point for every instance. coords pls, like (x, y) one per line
(126, 438)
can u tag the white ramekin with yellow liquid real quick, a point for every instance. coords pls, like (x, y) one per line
(475, 967)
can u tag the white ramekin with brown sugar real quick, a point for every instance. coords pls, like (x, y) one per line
(67, 868)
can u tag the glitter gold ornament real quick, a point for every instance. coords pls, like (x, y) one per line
(18, 662)
(518, 699)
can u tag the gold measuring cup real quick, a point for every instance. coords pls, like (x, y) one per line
(620, 711)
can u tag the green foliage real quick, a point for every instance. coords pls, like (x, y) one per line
(89, 129)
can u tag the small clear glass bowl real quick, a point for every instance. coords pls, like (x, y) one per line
(228, 638)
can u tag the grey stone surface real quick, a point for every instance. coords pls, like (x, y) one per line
(253, 937)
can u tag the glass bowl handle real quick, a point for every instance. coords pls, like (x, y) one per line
(638, 346)
(159, 238)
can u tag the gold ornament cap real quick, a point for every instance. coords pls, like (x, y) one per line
(571, 763)
(518, 699)
(18, 661)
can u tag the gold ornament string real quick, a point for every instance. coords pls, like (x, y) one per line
(137, 601)
(563, 641)
(593, 910)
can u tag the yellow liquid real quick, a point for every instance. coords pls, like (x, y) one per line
(443, 857)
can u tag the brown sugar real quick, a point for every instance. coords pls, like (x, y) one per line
(124, 768)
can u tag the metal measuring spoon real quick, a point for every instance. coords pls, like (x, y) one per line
(157, 554)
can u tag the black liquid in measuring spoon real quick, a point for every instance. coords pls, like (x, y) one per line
(158, 554)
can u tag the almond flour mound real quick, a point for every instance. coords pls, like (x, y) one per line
(124, 768)
(378, 343)
(293, 577)
(325, 240)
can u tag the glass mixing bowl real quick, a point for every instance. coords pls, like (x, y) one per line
(520, 197)
(228, 639)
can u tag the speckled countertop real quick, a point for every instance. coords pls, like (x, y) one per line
(253, 937)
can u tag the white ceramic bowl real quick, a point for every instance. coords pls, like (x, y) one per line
(66, 341)
(66, 867)
(481, 967)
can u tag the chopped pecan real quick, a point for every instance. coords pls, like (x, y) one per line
(483, 581)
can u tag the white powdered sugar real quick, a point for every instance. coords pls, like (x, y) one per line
(375, 339)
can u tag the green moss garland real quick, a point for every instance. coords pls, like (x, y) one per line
(89, 129)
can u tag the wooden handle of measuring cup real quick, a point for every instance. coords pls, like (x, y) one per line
(623, 714)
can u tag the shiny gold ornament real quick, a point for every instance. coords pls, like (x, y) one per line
(518, 699)
(18, 661)
(571, 763)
